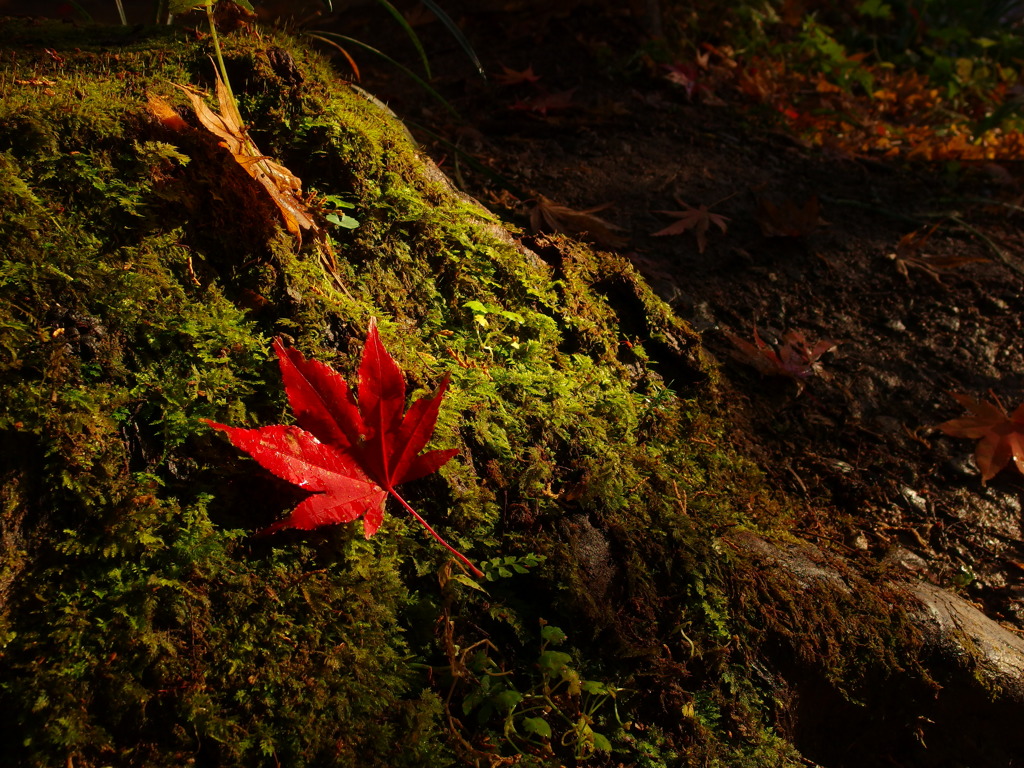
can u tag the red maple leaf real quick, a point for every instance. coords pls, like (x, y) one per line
(1000, 437)
(349, 455)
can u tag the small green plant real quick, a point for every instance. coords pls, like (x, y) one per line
(504, 567)
(337, 208)
(496, 328)
(557, 709)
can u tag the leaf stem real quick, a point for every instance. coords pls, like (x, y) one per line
(208, 5)
(462, 558)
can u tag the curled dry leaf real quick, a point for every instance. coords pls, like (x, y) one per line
(350, 455)
(280, 184)
(165, 113)
(39, 82)
(1000, 437)
(794, 357)
(698, 220)
(548, 216)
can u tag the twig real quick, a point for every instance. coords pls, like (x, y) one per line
(993, 246)
(990, 201)
(876, 209)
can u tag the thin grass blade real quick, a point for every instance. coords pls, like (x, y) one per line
(397, 15)
(457, 33)
(419, 80)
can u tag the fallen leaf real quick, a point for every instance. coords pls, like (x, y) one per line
(696, 219)
(686, 75)
(546, 102)
(41, 82)
(349, 455)
(165, 113)
(510, 76)
(1000, 437)
(908, 255)
(794, 357)
(549, 216)
(690, 76)
(283, 187)
(787, 219)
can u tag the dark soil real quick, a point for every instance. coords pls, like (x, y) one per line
(857, 446)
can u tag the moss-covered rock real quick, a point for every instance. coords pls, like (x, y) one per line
(143, 278)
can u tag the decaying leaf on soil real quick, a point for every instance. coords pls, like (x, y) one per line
(788, 218)
(1000, 437)
(794, 357)
(908, 255)
(547, 102)
(549, 216)
(509, 76)
(698, 220)
(280, 184)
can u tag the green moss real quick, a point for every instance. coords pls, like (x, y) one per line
(142, 280)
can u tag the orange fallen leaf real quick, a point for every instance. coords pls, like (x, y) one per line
(165, 113)
(37, 81)
(1000, 437)
(282, 186)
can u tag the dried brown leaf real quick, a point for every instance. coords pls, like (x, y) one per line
(698, 220)
(549, 216)
(281, 185)
(787, 219)
(510, 76)
(908, 255)
(547, 102)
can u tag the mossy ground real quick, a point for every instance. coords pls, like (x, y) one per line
(143, 279)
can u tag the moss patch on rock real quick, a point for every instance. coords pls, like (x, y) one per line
(142, 281)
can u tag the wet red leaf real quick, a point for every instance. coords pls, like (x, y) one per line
(350, 455)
